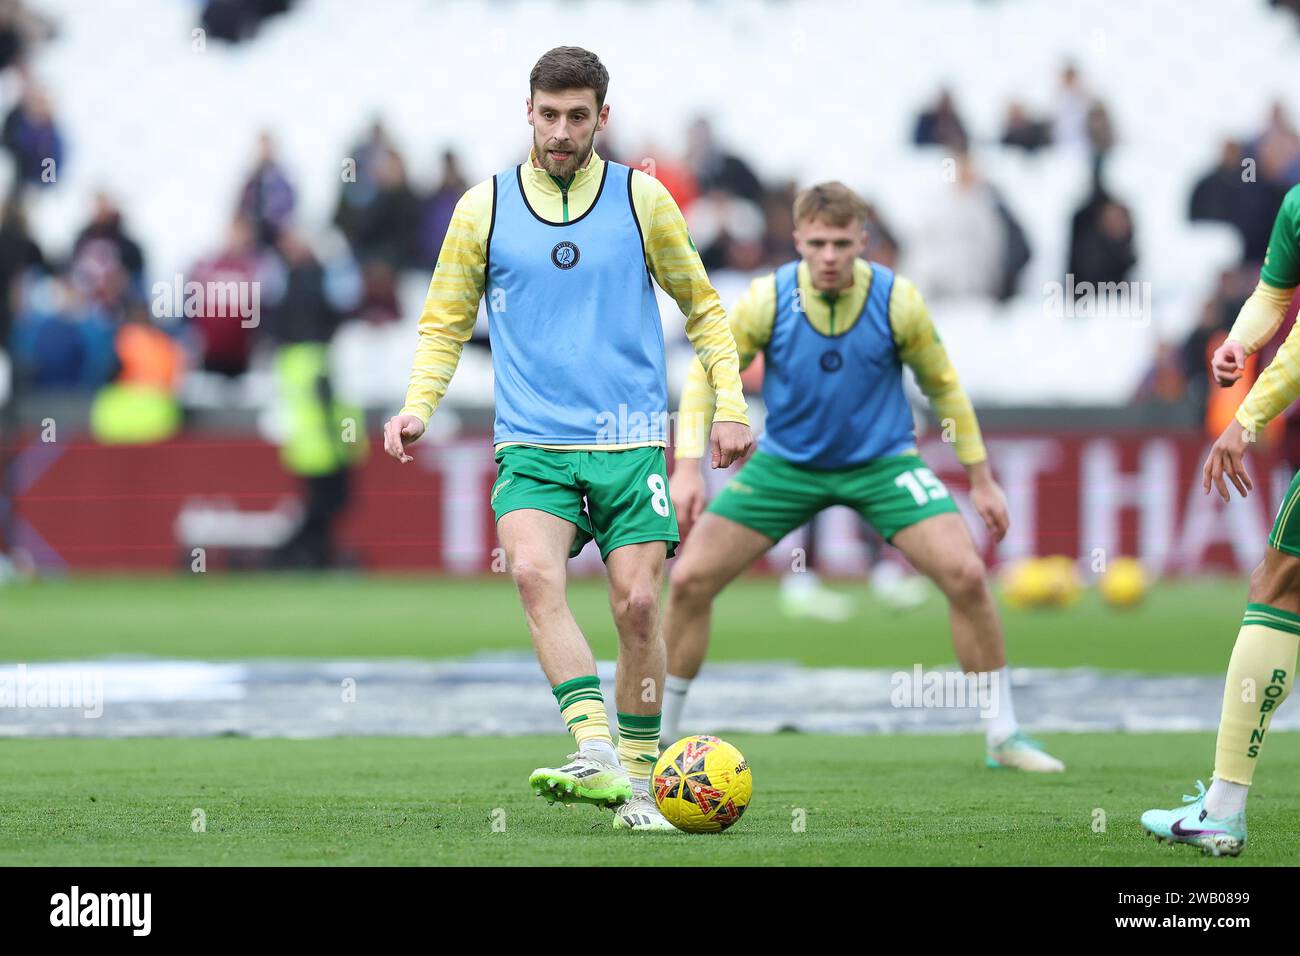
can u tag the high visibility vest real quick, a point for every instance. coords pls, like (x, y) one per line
(322, 434)
(128, 413)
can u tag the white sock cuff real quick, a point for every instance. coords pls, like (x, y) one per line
(677, 685)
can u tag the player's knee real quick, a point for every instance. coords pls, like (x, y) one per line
(635, 611)
(688, 585)
(537, 583)
(1275, 580)
(966, 581)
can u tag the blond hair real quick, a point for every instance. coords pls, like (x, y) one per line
(836, 203)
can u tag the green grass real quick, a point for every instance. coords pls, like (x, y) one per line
(866, 800)
(215, 617)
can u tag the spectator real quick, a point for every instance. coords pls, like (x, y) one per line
(1101, 134)
(384, 228)
(959, 247)
(1278, 148)
(225, 339)
(1164, 381)
(378, 305)
(19, 254)
(1227, 194)
(359, 188)
(436, 211)
(1101, 241)
(716, 170)
(33, 139)
(301, 322)
(1022, 132)
(267, 197)
(20, 28)
(61, 339)
(676, 176)
(1070, 127)
(941, 125)
(778, 219)
(728, 231)
(107, 265)
(299, 309)
(236, 20)
(882, 244)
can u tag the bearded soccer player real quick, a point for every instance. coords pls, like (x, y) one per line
(563, 247)
(836, 332)
(1262, 666)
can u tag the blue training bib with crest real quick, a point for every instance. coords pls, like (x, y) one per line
(834, 401)
(577, 341)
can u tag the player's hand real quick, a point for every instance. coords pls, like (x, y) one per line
(686, 487)
(728, 441)
(1228, 363)
(991, 505)
(400, 431)
(1227, 457)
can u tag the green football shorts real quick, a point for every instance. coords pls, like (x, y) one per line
(774, 496)
(1285, 535)
(626, 493)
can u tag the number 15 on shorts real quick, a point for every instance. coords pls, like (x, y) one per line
(922, 484)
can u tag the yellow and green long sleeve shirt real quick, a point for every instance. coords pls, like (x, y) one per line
(459, 278)
(1261, 316)
(918, 343)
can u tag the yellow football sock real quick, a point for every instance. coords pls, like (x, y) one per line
(1260, 674)
(638, 744)
(583, 709)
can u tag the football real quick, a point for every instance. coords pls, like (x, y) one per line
(1124, 584)
(702, 784)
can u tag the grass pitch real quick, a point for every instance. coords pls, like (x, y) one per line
(448, 801)
(862, 800)
(1190, 624)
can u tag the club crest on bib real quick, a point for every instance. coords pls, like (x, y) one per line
(831, 361)
(565, 255)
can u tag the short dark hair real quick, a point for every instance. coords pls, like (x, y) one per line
(569, 68)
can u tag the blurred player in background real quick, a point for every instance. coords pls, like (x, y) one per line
(836, 331)
(1261, 669)
(564, 247)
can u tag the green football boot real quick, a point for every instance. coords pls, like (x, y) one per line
(584, 779)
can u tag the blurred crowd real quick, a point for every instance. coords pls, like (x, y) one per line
(80, 318)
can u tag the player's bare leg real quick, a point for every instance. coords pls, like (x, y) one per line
(941, 548)
(537, 547)
(636, 574)
(537, 551)
(717, 551)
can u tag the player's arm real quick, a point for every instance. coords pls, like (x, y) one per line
(447, 321)
(750, 320)
(1258, 321)
(675, 264)
(921, 349)
(1279, 384)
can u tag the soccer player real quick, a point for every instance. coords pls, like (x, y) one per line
(836, 331)
(564, 247)
(1261, 669)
